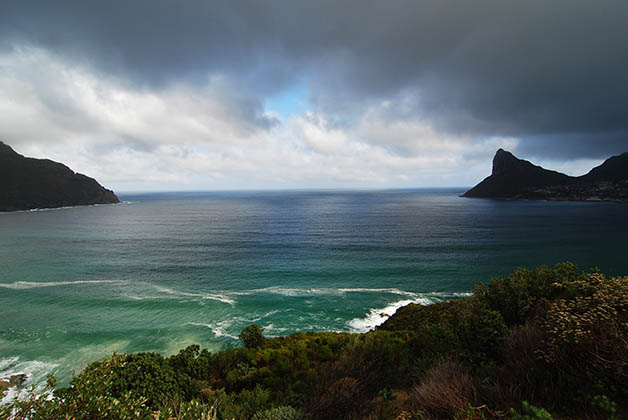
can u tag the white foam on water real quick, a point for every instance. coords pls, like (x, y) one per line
(327, 291)
(375, 290)
(134, 297)
(271, 328)
(23, 285)
(378, 316)
(292, 292)
(7, 364)
(228, 296)
(217, 329)
(449, 294)
(172, 292)
(35, 371)
(267, 314)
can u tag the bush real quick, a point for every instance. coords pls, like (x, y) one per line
(284, 412)
(517, 295)
(252, 336)
(606, 406)
(446, 390)
(372, 359)
(193, 410)
(530, 412)
(89, 399)
(467, 328)
(576, 347)
(146, 375)
(521, 373)
(586, 334)
(340, 401)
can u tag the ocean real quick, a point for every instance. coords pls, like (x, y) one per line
(165, 270)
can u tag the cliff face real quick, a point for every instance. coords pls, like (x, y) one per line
(515, 178)
(27, 183)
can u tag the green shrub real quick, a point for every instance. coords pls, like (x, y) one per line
(605, 405)
(284, 412)
(586, 334)
(518, 295)
(445, 391)
(146, 375)
(530, 412)
(252, 336)
(522, 373)
(253, 400)
(88, 400)
(467, 328)
(375, 358)
(193, 410)
(342, 400)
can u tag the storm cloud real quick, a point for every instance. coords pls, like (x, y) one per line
(435, 80)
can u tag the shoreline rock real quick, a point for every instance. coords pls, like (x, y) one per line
(18, 379)
(14, 381)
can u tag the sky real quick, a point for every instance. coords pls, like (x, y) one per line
(165, 95)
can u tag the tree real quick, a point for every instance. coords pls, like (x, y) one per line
(252, 336)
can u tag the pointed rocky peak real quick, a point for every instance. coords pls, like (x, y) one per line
(512, 176)
(504, 162)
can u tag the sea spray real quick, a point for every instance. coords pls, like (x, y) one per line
(35, 372)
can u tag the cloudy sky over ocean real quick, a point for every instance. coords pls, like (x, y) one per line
(165, 95)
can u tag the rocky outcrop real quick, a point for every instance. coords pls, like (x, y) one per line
(17, 380)
(27, 183)
(514, 178)
(4, 386)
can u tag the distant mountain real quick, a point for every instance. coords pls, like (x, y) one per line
(27, 183)
(514, 178)
(614, 169)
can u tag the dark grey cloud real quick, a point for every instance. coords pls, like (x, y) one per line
(594, 145)
(551, 73)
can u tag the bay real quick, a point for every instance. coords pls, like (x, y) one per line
(165, 270)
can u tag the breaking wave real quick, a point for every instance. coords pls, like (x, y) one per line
(218, 329)
(35, 371)
(25, 285)
(378, 316)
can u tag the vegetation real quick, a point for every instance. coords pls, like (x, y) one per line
(252, 336)
(538, 344)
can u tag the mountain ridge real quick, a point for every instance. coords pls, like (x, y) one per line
(29, 183)
(514, 178)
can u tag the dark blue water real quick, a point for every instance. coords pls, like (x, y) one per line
(166, 270)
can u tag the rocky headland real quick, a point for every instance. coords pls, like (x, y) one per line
(27, 183)
(514, 178)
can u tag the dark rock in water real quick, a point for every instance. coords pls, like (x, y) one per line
(514, 178)
(18, 380)
(27, 183)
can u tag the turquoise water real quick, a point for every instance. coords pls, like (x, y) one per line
(163, 271)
